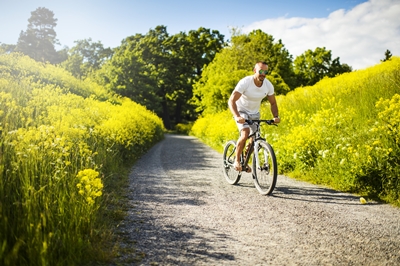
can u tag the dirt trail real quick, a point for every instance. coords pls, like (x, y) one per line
(183, 212)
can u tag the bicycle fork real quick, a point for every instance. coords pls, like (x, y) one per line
(256, 156)
(265, 166)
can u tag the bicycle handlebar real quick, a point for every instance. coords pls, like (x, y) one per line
(269, 122)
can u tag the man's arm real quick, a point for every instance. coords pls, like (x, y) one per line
(274, 108)
(233, 107)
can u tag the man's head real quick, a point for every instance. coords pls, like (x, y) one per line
(260, 70)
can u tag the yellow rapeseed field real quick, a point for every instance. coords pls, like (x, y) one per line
(342, 132)
(60, 137)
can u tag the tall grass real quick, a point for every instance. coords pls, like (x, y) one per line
(342, 132)
(57, 148)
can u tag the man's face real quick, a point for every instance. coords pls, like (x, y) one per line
(261, 71)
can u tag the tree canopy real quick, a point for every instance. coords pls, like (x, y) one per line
(85, 57)
(177, 76)
(40, 37)
(158, 70)
(388, 56)
(212, 91)
(312, 66)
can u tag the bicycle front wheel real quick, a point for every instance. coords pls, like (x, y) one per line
(265, 173)
(231, 175)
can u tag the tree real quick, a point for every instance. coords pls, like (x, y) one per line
(85, 57)
(142, 69)
(258, 45)
(7, 48)
(337, 68)
(40, 37)
(219, 78)
(155, 51)
(312, 66)
(126, 75)
(388, 56)
(195, 50)
(157, 70)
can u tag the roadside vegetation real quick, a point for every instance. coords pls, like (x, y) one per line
(343, 132)
(64, 143)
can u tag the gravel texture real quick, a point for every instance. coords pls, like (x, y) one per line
(183, 212)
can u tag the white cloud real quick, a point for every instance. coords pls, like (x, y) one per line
(359, 36)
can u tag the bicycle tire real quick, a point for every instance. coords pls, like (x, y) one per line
(266, 175)
(231, 175)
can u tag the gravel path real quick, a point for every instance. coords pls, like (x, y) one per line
(183, 212)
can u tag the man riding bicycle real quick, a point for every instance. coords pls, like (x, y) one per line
(245, 101)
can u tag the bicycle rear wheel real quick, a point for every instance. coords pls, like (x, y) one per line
(231, 175)
(266, 173)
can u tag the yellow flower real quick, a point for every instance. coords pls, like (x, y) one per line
(90, 185)
(376, 142)
(90, 200)
(363, 201)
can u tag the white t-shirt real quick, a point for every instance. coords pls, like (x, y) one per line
(252, 95)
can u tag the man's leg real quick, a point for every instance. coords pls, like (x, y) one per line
(244, 134)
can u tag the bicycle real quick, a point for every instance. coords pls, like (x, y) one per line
(265, 167)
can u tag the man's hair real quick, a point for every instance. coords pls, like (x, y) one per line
(260, 62)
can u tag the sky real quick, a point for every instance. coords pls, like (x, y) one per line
(357, 31)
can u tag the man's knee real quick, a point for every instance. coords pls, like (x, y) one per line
(245, 133)
(243, 137)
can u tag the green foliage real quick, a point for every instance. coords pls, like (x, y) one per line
(183, 128)
(381, 173)
(40, 37)
(388, 56)
(162, 72)
(7, 48)
(260, 46)
(312, 66)
(195, 50)
(58, 150)
(157, 70)
(215, 129)
(85, 57)
(342, 132)
(217, 82)
(19, 67)
(212, 91)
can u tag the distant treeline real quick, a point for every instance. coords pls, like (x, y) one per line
(160, 71)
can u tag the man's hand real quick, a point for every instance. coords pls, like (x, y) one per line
(240, 119)
(277, 120)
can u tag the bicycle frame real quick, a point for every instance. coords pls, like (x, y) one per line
(264, 166)
(256, 136)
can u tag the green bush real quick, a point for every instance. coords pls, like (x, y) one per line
(182, 128)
